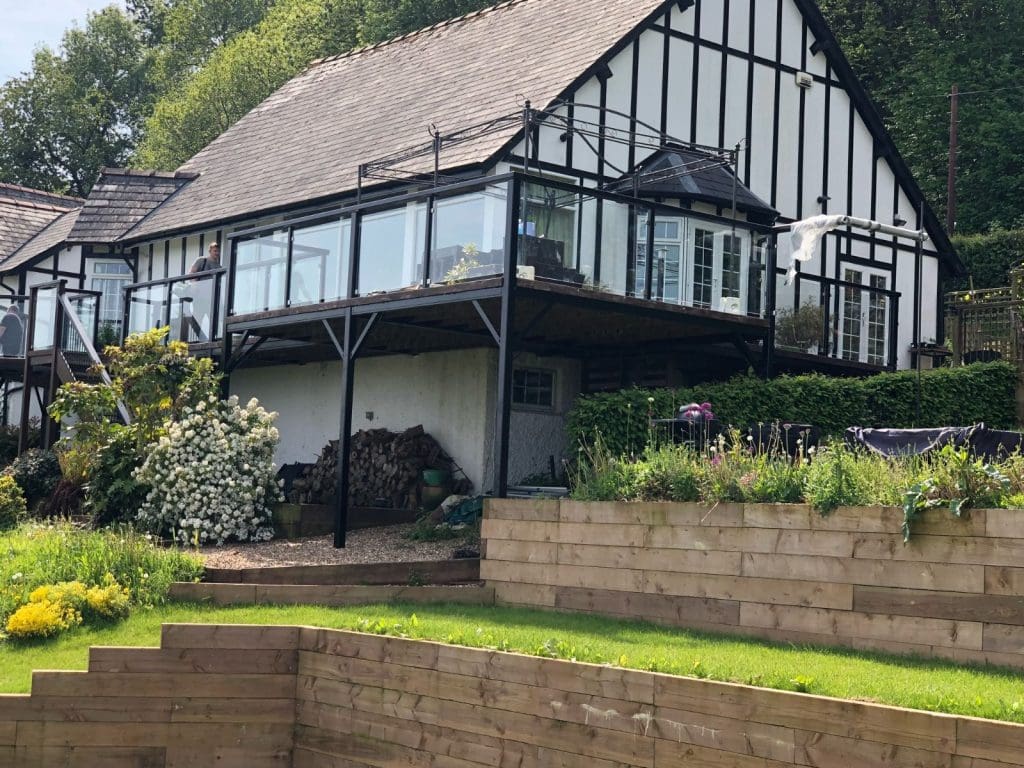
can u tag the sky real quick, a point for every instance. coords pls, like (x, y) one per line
(25, 24)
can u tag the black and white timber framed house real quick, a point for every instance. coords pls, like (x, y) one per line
(467, 226)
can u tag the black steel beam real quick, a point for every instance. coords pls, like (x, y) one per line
(344, 433)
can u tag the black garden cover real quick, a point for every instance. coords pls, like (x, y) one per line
(983, 442)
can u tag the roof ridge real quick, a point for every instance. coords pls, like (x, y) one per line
(415, 33)
(39, 192)
(147, 174)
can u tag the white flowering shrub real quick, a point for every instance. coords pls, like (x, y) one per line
(212, 475)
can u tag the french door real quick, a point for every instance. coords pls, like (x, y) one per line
(696, 263)
(863, 328)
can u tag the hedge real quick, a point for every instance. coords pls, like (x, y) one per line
(990, 257)
(984, 392)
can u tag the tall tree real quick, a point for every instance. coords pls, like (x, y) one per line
(192, 29)
(77, 110)
(909, 53)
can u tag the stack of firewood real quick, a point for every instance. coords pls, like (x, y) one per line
(385, 469)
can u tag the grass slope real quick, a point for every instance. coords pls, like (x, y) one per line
(917, 684)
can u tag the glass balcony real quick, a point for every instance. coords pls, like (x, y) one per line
(191, 305)
(43, 325)
(854, 319)
(72, 324)
(585, 238)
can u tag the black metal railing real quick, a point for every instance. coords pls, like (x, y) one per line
(837, 319)
(589, 238)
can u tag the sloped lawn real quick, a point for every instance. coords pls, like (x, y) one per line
(917, 684)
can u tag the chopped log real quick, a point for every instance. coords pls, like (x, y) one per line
(385, 470)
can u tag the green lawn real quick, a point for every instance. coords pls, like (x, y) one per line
(918, 684)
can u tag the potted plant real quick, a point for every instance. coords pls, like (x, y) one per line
(799, 329)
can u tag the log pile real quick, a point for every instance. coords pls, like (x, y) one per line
(385, 469)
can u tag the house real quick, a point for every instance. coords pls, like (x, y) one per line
(467, 226)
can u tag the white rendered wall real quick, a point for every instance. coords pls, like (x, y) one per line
(446, 392)
(452, 394)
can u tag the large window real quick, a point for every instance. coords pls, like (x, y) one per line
(534, 388)
(110, 278)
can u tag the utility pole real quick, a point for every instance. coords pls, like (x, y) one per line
(954, 119)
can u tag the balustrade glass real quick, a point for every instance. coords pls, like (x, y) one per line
(85, 308)
(147, 307)
(320, 256)
(391, 246)
(261, 265)
(850, 320)
(42, 323)
(468, 236)
(193, 318)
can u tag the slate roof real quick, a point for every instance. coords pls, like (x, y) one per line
(694, 175)
(52, 235)
(24, 212)
(120, 199)
(306, 141)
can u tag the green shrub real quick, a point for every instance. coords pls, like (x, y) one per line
(113, 494)
(12, 502)
(837, 479)
(984, 392)
(990, 257)
(37, 473)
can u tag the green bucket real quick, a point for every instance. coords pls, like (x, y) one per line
(435, 477)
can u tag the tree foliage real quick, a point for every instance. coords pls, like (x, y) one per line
(77, 110)
(909, 54)
(254, 63)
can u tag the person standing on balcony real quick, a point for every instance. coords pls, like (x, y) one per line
(202, 298)
(207, 263)
(11, 333)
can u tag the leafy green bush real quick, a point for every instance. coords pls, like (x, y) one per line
(990, 257)
(37, 473)
(983, 392)
(113, 494)
(12, 502)
(836, 479)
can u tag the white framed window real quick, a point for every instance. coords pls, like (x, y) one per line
(533, 388)
(109, 278)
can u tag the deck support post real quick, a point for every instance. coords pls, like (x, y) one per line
(26, 380)
(503, 401)
(771, 265)
(345, 430)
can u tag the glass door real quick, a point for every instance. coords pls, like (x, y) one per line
(669, 233)
(719, 268)
(864, 316)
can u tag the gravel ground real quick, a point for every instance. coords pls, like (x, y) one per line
(368, 545)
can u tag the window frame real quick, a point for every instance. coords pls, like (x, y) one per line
(539, 388)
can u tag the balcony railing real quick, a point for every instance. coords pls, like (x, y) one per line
(591, 240)
(191, 305)
(557, 232)
(838, 319)
(51, 321)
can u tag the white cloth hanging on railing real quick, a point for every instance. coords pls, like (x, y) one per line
(805, 236)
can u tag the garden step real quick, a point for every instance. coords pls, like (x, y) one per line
(333, 595)
(416, 573)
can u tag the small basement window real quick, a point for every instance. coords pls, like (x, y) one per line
(533, 387)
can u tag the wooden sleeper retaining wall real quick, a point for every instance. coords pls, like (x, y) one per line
(311, 698)
(782, 572)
